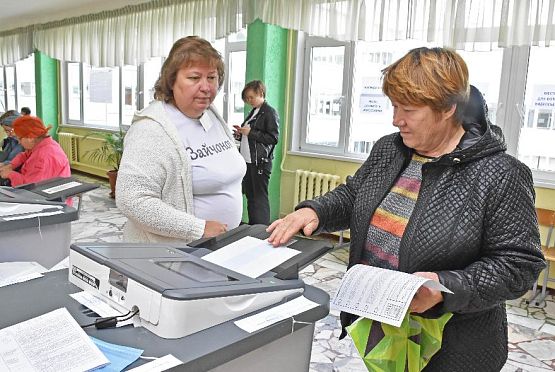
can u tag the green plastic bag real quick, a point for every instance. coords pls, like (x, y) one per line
(406, 348)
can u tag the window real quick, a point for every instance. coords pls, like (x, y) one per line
(101, 96)
(17, 86)
(344, 111)
(536, 142)
(229, 102)
(25, 77)
(105, 97)
(340, 111)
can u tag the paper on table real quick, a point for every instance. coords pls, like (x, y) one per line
(17, 272)
(95, 304)
(32, 215)
(99, 306)
(275, 314)
(250, 256)
(120, 356)
(10, 209)
(51, 342)
(63, 264)
(62, 187)
(379, 294)
(158, 365)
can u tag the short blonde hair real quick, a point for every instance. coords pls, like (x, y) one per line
(434, 77)
(186, 52)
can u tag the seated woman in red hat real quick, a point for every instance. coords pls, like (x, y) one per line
(43, 157)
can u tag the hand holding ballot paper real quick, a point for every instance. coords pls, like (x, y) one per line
(380, 294)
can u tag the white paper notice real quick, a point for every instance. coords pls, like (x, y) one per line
(379, 294)
(17, 272)
(63, 186)
(51, 342)
(11, 209)
(158, 365)
(250, 256)
(275, 314)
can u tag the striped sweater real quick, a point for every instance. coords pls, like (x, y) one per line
(390, 219)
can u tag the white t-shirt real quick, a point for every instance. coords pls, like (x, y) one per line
(217, 166)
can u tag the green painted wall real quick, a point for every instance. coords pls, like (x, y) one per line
(46, 84)
(267, 61)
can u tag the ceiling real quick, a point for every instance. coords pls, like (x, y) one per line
(19, 13)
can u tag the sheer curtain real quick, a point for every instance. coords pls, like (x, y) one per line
(133, 34)
(462, 24)
(337, 19)
(15, 45)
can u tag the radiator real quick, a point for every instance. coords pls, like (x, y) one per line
(309, 185)
(68, 142)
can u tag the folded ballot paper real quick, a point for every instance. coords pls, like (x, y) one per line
(379, 294)
(50, 342)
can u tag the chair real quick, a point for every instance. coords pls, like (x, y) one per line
(546, 218)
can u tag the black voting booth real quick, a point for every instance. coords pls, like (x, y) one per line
(35, 219)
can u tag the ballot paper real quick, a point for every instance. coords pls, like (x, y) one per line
(159, 364)
(51, 342)
(17, 272)
(275, 314)
(250, 256)
(99, 306)
(379, 294)
(96, 304)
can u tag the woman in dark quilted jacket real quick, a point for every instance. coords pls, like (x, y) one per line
(440, 199)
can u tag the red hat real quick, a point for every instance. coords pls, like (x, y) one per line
(28, 126)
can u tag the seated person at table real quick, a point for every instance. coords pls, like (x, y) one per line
(43, 157)
(10, 145)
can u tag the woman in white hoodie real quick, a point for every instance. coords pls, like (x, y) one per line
(180, 175)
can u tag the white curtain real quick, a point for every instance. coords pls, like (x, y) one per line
(15, 45)
(462, 24)
(337, 19)
(133, 34)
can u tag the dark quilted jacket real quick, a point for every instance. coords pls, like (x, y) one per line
(474, 224)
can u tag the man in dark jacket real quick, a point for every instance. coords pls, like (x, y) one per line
(443, 200)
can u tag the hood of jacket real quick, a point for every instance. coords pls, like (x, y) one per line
(481, 137)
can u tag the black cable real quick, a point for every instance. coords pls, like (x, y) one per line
(111, 321)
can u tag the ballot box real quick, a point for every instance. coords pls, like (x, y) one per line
(35, 220)
(114, 271)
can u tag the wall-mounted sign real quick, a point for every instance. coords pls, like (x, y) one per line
(544, 97)
(372, 99)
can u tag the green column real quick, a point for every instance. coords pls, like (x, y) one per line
(46, 87)
(266, 61)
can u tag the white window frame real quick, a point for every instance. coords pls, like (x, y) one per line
(508, 117)
(341, 151)
(4, 106)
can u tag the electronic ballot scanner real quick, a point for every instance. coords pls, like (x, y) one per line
(175, 292)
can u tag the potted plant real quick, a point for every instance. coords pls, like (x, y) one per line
(110, 153)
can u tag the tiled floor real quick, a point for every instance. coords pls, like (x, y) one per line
(531, 330)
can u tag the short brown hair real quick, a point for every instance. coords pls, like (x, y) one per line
(186, 52)
(256, 86)
(434, 77)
